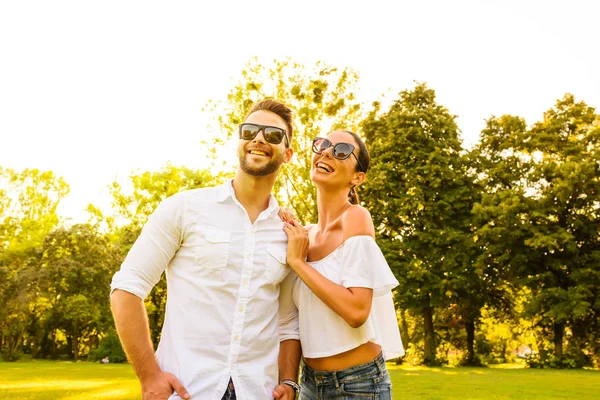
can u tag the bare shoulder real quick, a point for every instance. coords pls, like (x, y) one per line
(357, 221)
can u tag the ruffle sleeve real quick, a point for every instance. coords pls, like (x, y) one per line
(365, 266)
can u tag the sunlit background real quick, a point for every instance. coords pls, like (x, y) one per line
(96, 90)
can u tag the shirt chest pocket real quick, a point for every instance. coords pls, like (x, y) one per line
(276, 268)
(211, 247)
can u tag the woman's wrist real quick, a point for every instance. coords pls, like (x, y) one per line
(295, 262)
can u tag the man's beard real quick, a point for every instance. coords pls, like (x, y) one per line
(271, 167)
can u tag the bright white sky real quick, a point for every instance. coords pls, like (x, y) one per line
(95, 90)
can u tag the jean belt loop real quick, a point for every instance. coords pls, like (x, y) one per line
(335, 379)
(380, 361)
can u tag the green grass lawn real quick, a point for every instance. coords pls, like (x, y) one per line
(501, 382)
(41, 380)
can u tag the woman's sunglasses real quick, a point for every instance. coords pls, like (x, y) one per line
(272, 134)
(341, 150)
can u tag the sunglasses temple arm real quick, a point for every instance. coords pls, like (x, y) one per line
(357, 160)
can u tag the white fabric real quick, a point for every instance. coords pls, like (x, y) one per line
(358, 262)
(223, 276)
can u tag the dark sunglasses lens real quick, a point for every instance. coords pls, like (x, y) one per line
(248, 131)
(342, 151)
(273, 135)
(320, 144)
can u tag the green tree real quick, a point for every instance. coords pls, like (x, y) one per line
(28, 202)
(421, 196)
(540, 216)
(74, 271)
(323, 98)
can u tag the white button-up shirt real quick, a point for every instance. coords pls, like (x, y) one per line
(225, 315)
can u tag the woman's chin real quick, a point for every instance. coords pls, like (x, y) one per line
(320, 178)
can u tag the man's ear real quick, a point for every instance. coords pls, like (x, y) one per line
(289, 152)
(359, 177)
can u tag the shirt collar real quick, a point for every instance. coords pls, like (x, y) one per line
(226, 192)
(273, 208)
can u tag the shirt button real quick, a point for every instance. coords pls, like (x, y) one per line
(245, 281)
(235, 337)
(241, 308)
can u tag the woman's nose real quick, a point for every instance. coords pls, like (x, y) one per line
(328, 151)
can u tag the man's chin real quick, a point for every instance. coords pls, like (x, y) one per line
(260, 171)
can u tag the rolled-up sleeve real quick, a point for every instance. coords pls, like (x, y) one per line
(288, 312)
(153, 250)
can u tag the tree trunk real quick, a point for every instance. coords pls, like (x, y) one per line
(577, 342)
(70, 346)
(35, 346)
(14, 347)
(558, 339)
(429, 351)
(470, 326)
(405, 333)
(75, 344)
(53, 351)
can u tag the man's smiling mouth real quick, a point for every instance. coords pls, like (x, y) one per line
(258, 152)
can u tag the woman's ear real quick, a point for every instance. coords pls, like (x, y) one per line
(359, 177)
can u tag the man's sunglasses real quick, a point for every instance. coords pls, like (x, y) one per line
(341, 150)
(272, 134)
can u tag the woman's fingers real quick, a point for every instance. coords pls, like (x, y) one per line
(286, 214)
(295, 231)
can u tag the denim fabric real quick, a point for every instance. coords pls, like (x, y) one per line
(230, 393)
(366, 381)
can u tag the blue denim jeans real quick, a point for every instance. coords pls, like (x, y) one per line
(365, 381)
(230, 392)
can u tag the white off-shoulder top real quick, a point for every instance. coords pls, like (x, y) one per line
(358, 262)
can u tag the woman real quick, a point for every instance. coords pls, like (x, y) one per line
(348, 324)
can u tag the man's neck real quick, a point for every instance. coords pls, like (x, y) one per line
(253, 192)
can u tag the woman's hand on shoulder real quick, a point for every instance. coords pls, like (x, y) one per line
(357, 221)
(286, 214)
(298, 243)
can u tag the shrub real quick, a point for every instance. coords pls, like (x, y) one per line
(110, 346)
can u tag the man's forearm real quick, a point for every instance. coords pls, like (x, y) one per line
(289, 359)
(131, 321)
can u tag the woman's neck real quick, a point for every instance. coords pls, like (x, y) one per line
(331, 205)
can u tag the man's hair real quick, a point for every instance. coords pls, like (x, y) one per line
(276, 107)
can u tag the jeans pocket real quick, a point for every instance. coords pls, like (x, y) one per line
(360, 388)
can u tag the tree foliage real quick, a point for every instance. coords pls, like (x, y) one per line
(421, 197)
(539, 216)
(28, 202)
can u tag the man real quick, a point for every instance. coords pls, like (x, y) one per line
(228, 311)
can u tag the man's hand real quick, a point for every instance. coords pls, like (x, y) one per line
(284, 392)
(162, 386)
